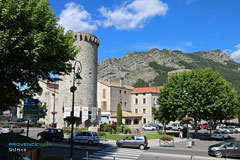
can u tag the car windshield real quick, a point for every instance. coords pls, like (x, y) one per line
(6, 127)
(95, 134)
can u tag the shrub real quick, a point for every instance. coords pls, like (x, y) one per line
(84, 129)
(119, 129)
(160, 132)
(105, 127)
(126, 130)
(166, 138)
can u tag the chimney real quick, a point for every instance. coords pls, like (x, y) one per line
(121, 82)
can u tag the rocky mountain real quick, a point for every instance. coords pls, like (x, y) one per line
(153, 66)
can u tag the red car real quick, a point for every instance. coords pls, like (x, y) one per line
(203, 126)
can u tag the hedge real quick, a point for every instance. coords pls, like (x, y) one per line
(20, 124)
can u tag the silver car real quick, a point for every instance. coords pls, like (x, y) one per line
(137, 141)
(11, 129)
(87, 137)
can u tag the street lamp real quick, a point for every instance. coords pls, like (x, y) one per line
(76, 76)
(54, 112)
(186, 94)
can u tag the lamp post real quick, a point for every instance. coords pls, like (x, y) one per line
(186, 94)
(76, 76)
(53, 126)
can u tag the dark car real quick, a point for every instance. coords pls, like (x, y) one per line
(135, 141)
(211, 127)
(51, 134)
(225, 149)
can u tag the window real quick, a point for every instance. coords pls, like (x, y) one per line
(104, 93)
(154, 100)
(104, 106)
(125, 92)
(136, 94)
(136, 101)
(120, 91)
(144, 100)
(144, 121)
(144, 111)
(136, 121)
(86, 134)
(144, 94)
(136, 110)
(128, 122)
(125, 103)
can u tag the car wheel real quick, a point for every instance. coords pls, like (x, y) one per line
(90, 143)
(218, 154)
(153, 129)
(119, 145)
(142, 147)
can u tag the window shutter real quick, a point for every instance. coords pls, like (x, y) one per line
(104, 93)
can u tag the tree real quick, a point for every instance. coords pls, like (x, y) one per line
(119, 115)
(33, 46)
(43, 110)
(209, 97)
(141, 83)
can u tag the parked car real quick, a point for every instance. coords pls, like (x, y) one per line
(155, 125)
(11, 129)
(227, 129)
(137, 141)
(229, 149)
(87, 137)
(219, 135)
(198, 126)
(211, 127)
(168, 127)
(51, 134)
(235, 130)
(148, 127)
(176, 127)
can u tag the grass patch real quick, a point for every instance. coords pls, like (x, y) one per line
(154, 136)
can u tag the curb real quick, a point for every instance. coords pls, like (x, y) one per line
(93, 148)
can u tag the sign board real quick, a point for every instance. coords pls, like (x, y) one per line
(31, 109)
(67, 112)
(84, 114)
(94, 113)
(76, 111)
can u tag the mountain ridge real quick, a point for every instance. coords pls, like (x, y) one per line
(153, 65)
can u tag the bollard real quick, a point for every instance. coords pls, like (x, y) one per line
(87, 155)
(113, 158)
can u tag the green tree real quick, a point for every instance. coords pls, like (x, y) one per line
(43, 110)
(141, 83)
(119, 115)
(33, 46)
(202, 94)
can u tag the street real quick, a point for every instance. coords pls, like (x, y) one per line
(108, 150)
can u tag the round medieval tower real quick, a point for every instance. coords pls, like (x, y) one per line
(86, 93)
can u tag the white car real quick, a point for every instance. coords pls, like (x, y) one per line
(148, 127)
(11, 128)
(87, 137)
(176, 127)
(219, 135)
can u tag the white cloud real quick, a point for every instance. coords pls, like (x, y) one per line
(236, 54)
(188, 44)
(189, 1)
(133, 15)
(76, 18)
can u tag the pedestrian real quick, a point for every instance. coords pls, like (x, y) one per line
(181, 133)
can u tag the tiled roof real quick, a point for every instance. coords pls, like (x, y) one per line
(114, 84)
(126, 115)
(147, 90)
(48, 82)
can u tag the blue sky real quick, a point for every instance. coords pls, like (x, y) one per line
(125, 26)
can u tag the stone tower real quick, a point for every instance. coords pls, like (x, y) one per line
(86, 93)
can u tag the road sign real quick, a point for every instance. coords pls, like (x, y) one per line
(31, 109)
(94, 114)
(84, 114)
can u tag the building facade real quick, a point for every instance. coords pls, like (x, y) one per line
(109, 95)
(142, 101)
